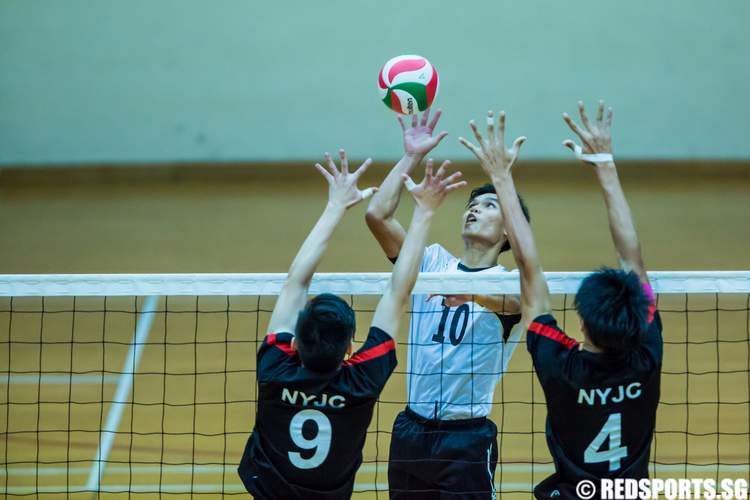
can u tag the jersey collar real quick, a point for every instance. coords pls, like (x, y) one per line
(462, 267)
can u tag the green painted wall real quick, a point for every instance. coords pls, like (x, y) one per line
(191, 80)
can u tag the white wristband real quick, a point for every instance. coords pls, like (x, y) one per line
(592, 157)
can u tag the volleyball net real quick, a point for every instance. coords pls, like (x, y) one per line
(145, 384)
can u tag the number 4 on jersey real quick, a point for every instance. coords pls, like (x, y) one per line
(613, 430)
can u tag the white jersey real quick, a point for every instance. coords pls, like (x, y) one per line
(456, 355)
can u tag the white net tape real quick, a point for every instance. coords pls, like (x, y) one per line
(35, 285)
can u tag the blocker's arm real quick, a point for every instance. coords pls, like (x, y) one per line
(342, 195)
(429, 196)
(497, 161)
(597, 141)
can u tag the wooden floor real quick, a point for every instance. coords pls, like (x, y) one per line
(194, 388)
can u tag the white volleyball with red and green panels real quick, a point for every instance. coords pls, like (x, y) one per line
(408, 84)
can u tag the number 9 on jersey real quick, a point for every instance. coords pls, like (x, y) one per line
(320, 441)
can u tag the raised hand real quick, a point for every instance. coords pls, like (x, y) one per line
(596, 137)
(495, 158)
(431, 192)
(342, 185)
(419, 139)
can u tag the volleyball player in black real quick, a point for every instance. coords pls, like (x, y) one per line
(314, 406)
(602, 395)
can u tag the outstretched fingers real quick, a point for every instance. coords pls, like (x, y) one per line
(330, 165)
(573, 126)
(584, 118)
(428, 170)
(366, 193)
(362, 168)
(501, 128)
(435, 119)
(600, 113)
(408, 182)
(491, 127)
(450, 183)
(454, 186)
(344, 161)
(477, 134)
(569, 144)
(324, 172)
(516, 148)
(425, 116)
(440, 137)
(441, 171)
(471, 147)
(451, 179)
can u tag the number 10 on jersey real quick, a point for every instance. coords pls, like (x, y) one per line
(460, 316)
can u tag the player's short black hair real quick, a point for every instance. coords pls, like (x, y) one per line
(614, 309)
(489, 188)
(325, 327)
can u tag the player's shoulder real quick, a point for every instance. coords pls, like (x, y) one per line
(278, 338)
(438, 250)
(366, 372)
(436, 258)
(545, 327)
(281, 341)
(276, 355)
(499, 268)
(377, 345)
(553, 353)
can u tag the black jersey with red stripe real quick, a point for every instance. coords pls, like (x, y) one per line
(310, 427)
(601, 408)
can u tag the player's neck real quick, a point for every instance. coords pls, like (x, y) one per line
(478, 256)
(588, 346)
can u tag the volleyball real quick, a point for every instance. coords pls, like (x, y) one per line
(408, 84)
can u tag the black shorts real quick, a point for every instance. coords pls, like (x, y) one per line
(553, 489)
(445, 459)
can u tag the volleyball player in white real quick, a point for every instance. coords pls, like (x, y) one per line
(443, 445)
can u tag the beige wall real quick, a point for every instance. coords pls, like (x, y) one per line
(253, 219)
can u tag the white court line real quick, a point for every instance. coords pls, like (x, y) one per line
(512, 468)
(59, 379)
(202, 488)
(124, 488)
(117, 470)
(142, 329)
(364, 469)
